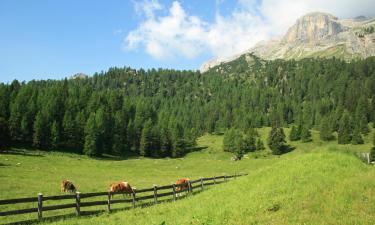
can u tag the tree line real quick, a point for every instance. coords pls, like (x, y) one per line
(160, 112)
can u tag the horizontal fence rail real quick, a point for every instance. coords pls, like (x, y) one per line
(172, 190)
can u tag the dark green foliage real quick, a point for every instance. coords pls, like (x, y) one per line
(305, 134)
(55, 135)
(276, 140)
(345, 131)
(294, 136)
(91, 137)
(372, 152)
(178, 142)
(146, 145)
(249, 141)
(4, 134)
(41, 136)
(242, 93)
(229, 141)
(357, 137)
(325, 130)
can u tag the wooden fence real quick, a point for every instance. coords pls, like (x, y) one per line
(78, 196)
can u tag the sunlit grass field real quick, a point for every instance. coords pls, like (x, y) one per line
(317, 183)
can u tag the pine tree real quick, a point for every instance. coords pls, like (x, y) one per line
(357, 137)
(325, 130)
(361, 115)
(276, 140)
(240, 145)
(91, 137)
(40, 135)
(4, 134)
(131, 136)
(146, 139)
(229, 140)
(372, 152)
(69, 132)
(293, 136)
(344, 132)
(249, 142)
(305, 134)
(165, 142)
(178, 143)
(55, 135)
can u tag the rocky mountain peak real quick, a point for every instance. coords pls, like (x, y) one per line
(313, 27)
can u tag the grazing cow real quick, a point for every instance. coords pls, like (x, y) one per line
(67, 186)
(121, 187)
(183, 184)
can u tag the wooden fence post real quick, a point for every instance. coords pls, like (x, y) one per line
(214, 179)
(202, 183)
(189, 187)
(78, 203)
(109, 201)
(174, 192)
(225, 178)
(155, 194)
(40, 206)
(368, 158)
(133, 195)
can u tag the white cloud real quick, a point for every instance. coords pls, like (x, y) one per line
(178, 34)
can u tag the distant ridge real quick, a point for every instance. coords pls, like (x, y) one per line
(79, 76)
(317, 34)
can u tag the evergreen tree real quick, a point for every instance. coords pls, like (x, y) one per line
(146, 139)
(119, 135)
(69, 132)
(178, 144)
(305, 134)
(249, 142)
(325, 130)
(240, 145)
(372, 152)
(357, 137)
(131, 136)
(91, 147)
(55, 135)
(41, 134)
(293, 136)
(344, 132)
(165, 142)
(276, 140)
(229, 140)
(361, 115)
(4, 134)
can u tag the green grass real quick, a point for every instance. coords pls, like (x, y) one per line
(317, 183)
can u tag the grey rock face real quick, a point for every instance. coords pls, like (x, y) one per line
(318, 35)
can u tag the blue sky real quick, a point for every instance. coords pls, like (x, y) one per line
(50, 39)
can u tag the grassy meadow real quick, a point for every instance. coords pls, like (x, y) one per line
(317, 183)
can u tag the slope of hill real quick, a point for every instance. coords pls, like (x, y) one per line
(317, 35)
(323, 187)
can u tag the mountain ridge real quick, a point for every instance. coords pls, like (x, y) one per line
(316, 34)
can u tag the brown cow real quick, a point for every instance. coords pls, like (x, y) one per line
(67, 186)
(183, 184)
(121, 187)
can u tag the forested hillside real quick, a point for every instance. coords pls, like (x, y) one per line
(161, 112)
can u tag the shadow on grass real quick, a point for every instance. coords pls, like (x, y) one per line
(196, 149)
(288, 148)
(21, 152)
